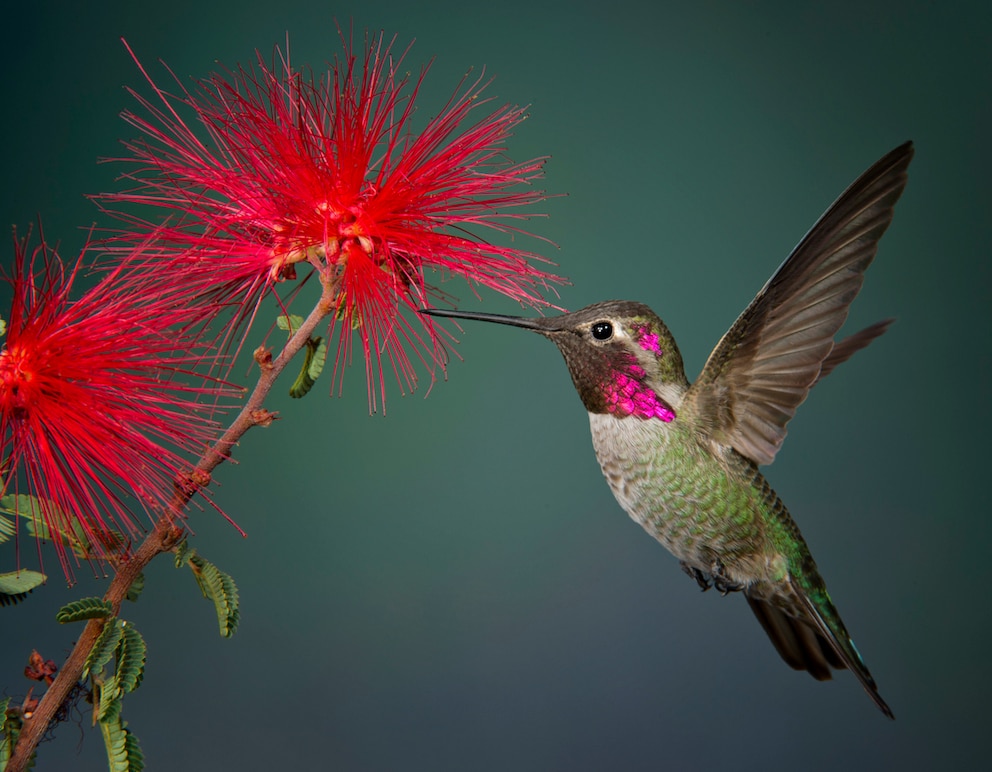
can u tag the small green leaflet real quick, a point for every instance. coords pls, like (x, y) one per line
(290, 323)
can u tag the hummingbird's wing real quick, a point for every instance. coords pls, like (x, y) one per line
(767, 362)
(843, 349)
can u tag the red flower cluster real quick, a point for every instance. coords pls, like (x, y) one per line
(258, 172)
(96, 403)
(290, 168)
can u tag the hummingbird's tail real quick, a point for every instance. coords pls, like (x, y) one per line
(812, 644)
(797, 643)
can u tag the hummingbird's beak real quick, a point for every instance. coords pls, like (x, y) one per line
(540, 324)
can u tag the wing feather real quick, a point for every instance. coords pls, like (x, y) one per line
(783, 343)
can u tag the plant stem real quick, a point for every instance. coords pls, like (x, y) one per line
(167, 530)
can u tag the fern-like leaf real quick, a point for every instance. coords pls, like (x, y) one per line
(135, 589)
(21, 581)
(104, 647)
(109, 706)
(311, 368)
(131, 652)
(15, 586)
(183, 552)
(11, 599)
(7, 528)
(115, 741)
(319, 358)
(21, 505)
(221, 589)
(70, 531)
(135, 758)
(123, 752)
(84, 608)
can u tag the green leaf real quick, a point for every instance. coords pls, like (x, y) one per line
(318, 359)
(123, 751)
(9, 732)
(38, 529)
(109, 706)
(305, 380)
(37, 514)
(104, 647)
(221, 589)
(115, 741)
(84, 608)
(183, 551)
(72, 535)
(291, 323)
(21, 581)
(135, 758)
(3, 326)
(15, 586)
(20, 504)
(68, 530)
(135, 589)
(7, 528)
(10, 729)
(131, 652)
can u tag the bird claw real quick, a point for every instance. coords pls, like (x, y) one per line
(723, 583)
(701, 577)
(716, 578)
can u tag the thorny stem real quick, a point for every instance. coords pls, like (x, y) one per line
(167, 531)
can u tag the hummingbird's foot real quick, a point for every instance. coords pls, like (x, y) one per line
(721, 581)
(701, 577)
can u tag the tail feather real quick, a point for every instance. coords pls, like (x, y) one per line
(847, 651)
(811, 645)
(797, 643)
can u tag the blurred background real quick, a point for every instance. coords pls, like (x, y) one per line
(451, 586)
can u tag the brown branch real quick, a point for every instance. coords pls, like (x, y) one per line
(166, 531)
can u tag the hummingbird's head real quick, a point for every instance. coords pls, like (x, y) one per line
(622, 358)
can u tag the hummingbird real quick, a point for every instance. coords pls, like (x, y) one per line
(683, 459)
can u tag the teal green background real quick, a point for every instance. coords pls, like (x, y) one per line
(452, 586)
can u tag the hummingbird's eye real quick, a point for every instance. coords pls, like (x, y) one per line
(602, 330)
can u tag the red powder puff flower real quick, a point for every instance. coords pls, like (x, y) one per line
(293, 168)
(97, 401)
